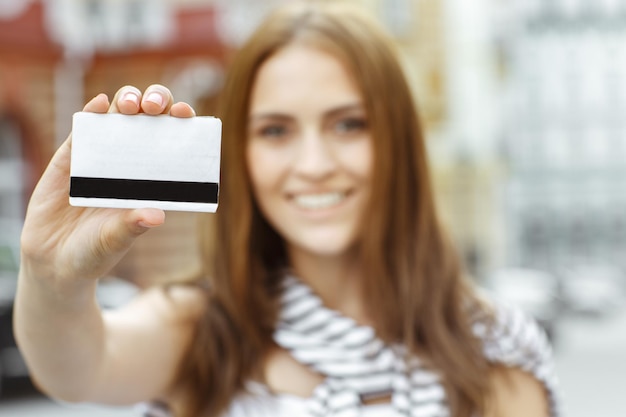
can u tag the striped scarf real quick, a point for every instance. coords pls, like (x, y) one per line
(358, 366)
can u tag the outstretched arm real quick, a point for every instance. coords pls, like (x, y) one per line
(75, 352)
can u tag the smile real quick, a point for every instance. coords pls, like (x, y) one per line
(319, 201)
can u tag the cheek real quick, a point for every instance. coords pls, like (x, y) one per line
(358, 159)
(366, 166)
(259, 161)
(264, 168)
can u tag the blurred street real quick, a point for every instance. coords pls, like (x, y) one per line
(589, 355)
(21, 399)
(591, 365)
(36, 406)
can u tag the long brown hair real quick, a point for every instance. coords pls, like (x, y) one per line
(412, 273)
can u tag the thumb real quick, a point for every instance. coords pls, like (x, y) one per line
(120, 231)
(147, 218)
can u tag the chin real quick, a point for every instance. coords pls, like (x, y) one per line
(329, 250)
(325, 246)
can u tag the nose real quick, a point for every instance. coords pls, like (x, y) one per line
(314, 157)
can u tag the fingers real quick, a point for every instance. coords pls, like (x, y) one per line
(181, 109)
(127, 100)
(157, 99)
(98, 104)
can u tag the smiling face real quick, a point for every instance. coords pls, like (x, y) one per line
(309, 150)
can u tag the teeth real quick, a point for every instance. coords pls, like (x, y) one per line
(318, 201)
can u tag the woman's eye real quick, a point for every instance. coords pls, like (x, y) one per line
(351, 125)
(273, 131)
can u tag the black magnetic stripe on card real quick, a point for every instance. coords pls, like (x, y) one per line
(125, 189)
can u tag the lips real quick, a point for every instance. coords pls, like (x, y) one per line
(319, 201)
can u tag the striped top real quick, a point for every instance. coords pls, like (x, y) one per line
(357, 365)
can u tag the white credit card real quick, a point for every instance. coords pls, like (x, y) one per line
(124, 161)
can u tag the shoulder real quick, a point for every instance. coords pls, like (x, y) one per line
(516, 393)
(146, 340)
(521, 358)
(509, 335)
(175, 304)
(187, 302)
(159, 316)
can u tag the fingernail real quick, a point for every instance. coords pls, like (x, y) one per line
(155, 98)
(144, 224)
(132, 97)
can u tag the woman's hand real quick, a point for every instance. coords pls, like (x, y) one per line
(67, 245)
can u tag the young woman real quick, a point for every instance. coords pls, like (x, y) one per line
(329, 286)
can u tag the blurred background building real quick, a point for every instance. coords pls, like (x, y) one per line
(522, 103)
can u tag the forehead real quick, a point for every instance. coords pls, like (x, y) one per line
(301, 73)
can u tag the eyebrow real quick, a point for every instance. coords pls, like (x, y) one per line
(327, 114)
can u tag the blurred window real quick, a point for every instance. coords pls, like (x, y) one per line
(11, 170)
(398, 17)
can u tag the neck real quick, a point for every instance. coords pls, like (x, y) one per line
(335, 279)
